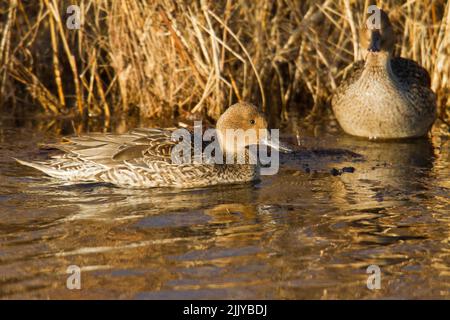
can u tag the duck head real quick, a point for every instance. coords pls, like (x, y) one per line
(377, 37)
(242, 125)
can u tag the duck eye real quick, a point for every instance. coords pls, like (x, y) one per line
(252, 121)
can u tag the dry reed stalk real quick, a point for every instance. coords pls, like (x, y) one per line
(167, 57)
(5, 47)
(53, 8)
(56, 65)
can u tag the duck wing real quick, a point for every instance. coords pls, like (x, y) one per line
(410, 72)
(113, 149)
(418, 83)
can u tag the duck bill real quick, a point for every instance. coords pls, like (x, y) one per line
(267, 140)
(375, 41)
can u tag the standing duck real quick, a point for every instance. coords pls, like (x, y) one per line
(384, 97)
(142, 158)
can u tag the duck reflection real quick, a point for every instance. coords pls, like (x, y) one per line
(104, 202)
(390, 172)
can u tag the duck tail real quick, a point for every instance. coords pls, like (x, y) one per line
(67, 169)
(39, 166)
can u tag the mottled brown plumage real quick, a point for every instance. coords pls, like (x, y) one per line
(383, 96)
(142, 158)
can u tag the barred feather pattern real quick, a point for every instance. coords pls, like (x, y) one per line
(138, 159)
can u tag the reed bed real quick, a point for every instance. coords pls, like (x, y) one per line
(165, 58)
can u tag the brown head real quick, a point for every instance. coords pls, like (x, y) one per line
(377, 36)
(249, 125)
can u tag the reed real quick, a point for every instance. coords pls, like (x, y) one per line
(169, 57)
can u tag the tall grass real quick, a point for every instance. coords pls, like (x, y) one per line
(170, 57)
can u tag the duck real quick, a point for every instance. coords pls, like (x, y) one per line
(382, 96)
(144, 157)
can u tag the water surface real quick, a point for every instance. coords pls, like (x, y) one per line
(308, 232)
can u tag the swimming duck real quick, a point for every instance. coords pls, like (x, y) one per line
(142, 158)
(384, 97)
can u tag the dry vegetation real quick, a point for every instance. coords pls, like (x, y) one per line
(167, 57)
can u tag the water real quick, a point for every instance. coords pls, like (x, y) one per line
(307, 232)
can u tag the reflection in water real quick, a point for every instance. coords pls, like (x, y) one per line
(392, 168)
(304, 233)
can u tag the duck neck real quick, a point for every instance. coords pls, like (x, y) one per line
(378, 65)
(224, 146)
(231, 146)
